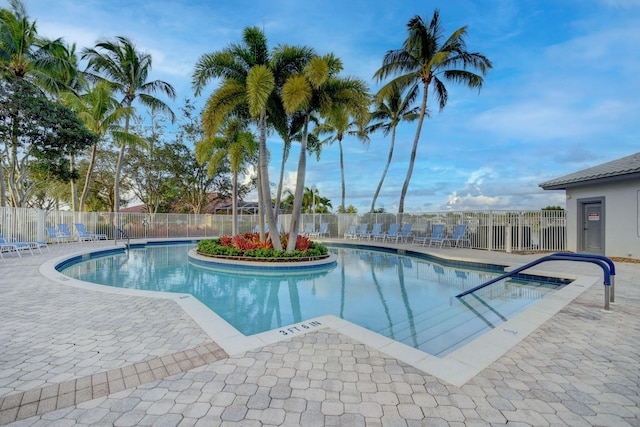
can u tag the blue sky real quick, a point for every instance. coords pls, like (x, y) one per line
(564, 93)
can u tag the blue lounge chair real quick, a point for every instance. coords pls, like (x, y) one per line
(323, 230)
(308, 229)
(393, 231)
(54, 235)
(63, 230)
(83, 234)
(375, 230)
(437, 234)
(404, 234)
(362, 230)
(459, 236)
(352, 233)
(16, 246)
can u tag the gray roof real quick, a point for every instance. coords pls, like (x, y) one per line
(624, 168)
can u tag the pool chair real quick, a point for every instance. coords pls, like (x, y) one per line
(54, 236)
(351, 232)
(83, 234)
(308, 229)
(63, 230)
(393, 231)
(375, 230)
(362, 230)
(323, 230)
(404, 234)
(437, 235)
(16, 246)
(459, 237)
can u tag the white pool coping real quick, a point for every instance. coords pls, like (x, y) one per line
(457, 367)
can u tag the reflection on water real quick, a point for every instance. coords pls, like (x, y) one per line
(407, 299)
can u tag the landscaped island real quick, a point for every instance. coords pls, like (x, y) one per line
(249, 247)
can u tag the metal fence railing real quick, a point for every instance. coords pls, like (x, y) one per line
(542, 231)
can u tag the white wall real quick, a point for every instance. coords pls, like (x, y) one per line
(621, 213)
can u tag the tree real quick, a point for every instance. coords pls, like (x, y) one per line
(38, 137)
(102, 113)
(426, 60)
(317, 89)
(25, 56)
(390, 110)
(127, 70)
(337, 124)
(234, 144)
(249, 89)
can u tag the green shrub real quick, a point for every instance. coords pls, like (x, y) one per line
(215, 247)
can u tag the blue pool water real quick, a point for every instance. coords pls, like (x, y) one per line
(408, 299)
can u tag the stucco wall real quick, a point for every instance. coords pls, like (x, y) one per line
(621, 213)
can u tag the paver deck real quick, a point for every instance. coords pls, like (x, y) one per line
(74, 356)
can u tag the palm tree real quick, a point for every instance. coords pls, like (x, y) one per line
(337, 124)
(318, 89)
(389, 111)
(26, 56)
(101, 113)
(425, 60)
(235, 144)
(249, 88)
(127, 69)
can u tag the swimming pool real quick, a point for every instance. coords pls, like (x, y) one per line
(408, 299)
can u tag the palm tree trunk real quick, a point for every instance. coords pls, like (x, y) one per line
(299, 194)
(386, 169)
(280, 182)
(274, 236)
(342, 174)
(234, 200)
(87, 180)
(74, 185)
(414, 150)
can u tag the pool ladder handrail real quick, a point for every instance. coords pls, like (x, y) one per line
(123, 234)
(608, 268)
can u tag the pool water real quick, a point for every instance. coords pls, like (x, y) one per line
(408, 299)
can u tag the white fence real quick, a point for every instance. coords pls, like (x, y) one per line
(489, 230)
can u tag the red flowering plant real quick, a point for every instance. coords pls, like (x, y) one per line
(249, 246)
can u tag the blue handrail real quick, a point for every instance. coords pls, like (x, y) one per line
(608, 268)
(121, 231)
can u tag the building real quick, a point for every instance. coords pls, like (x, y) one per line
(603, 208)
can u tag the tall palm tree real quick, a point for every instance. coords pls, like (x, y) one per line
(127, 69)
(426, 59)
(389, 111)
(26, 56)
(318, 89)
(251, 79)
(101, 113)
(235, 144)
(337, 124)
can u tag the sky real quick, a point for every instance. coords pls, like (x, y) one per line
(563, 93)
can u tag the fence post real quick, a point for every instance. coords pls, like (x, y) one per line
(490, 232)
(507, 237)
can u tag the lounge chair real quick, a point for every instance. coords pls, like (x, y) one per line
(437, 234)
(309, 228)
(375, 230)
(16, 246)
(362, 230)
(352, 232)
(83, 234)
(393, 231)
(63, 230)
(459, 236)
(404, 234)
(324, 229)
(54, 235)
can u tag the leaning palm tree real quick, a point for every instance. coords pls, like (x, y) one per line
(318, 89)
(426, 60)
(234, 144)
(337, 124)
(389, 111)
(101, 113)
(127, 69)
